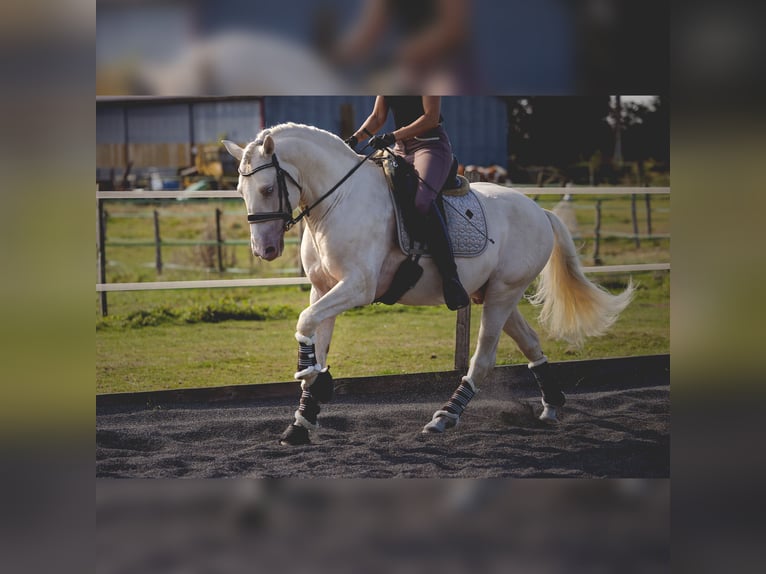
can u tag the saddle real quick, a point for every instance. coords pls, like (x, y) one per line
(462, 210)
(459, 205)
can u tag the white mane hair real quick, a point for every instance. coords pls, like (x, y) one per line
(301, 131)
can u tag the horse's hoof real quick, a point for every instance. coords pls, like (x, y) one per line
(439, 424)
(549, 415)
(295, 435)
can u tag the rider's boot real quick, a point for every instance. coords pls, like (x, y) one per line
(439, 243)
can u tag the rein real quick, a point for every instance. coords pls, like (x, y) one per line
(285, 209)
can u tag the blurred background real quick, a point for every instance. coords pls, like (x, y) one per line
(174, 143)
(341, 47)
(351, 526)
(718, 146)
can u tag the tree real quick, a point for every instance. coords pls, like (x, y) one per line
(557, 131)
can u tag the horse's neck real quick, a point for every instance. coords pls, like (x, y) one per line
(321, 166)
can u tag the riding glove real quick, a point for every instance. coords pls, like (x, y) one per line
(351, 142)
(382, 141)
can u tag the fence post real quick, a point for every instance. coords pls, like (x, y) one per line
(634, 217)
(101, 262)
(157, 242)
(462, 338)
(648, 200)
(301, 270)
(219, 239)
(597, 234)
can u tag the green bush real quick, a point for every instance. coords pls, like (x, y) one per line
(225, 309)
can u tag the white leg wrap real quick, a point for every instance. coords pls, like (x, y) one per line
(449, 415)
(308, 375)
(302, 421)
(470, 383)
(303, 339)
(549, 414)
(538, 362)
(441, 421)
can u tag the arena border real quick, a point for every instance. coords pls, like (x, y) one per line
(618, 373)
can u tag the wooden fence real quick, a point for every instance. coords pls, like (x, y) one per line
(463, 321)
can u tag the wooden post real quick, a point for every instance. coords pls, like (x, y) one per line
(219, 239)
(302, 272)
(648, 200)
(101, 262)
(634, 217)
(157, 242)
(597, 234)
(462, 338)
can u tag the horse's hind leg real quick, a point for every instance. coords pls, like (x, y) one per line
(529, 343)
(493, 317)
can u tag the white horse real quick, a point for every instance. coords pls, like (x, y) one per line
(350, 256)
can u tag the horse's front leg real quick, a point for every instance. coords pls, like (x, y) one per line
(314, 332)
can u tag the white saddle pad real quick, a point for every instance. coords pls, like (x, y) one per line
(466, 223)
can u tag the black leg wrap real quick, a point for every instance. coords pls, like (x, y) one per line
(459, 399)
(295, 435)
(549, 387)
(323, 387)
(306, 356)
(309, 407)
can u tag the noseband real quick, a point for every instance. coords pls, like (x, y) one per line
(285, 212)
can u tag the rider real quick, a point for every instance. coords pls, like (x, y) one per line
(421, 139)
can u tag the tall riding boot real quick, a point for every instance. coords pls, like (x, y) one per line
(441, 250)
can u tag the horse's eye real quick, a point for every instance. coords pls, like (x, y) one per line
(267, 190)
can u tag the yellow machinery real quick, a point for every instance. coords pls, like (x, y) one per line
(208, 169)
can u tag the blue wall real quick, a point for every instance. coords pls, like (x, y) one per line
(477, 125)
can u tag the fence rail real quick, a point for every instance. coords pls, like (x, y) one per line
(462, 327)
(102, 287)
(232, 194)
(287, 281)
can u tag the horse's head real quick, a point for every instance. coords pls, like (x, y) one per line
(263, 185)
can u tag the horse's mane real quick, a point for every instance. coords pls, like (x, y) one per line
(323, 137)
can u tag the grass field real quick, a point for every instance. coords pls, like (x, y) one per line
(160, 351)
(195, 338)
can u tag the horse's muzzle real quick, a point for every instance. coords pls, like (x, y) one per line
(267, 240)
(271, 253)
(268, 251)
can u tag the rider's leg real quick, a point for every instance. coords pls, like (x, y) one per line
(433, 163)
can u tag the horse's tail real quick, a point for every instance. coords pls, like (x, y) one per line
(572, 306)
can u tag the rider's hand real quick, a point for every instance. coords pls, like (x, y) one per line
(382, 141)
(351, 142)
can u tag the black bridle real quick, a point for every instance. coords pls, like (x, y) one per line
(285, 212)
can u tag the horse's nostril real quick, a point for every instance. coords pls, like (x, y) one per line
(270, 250)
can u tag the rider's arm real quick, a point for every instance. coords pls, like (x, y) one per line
(428, 121)
(375, 120)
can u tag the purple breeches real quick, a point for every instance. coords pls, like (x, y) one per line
(431, 154)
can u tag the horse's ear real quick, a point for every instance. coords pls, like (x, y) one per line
(233, 149)
(268, 145)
